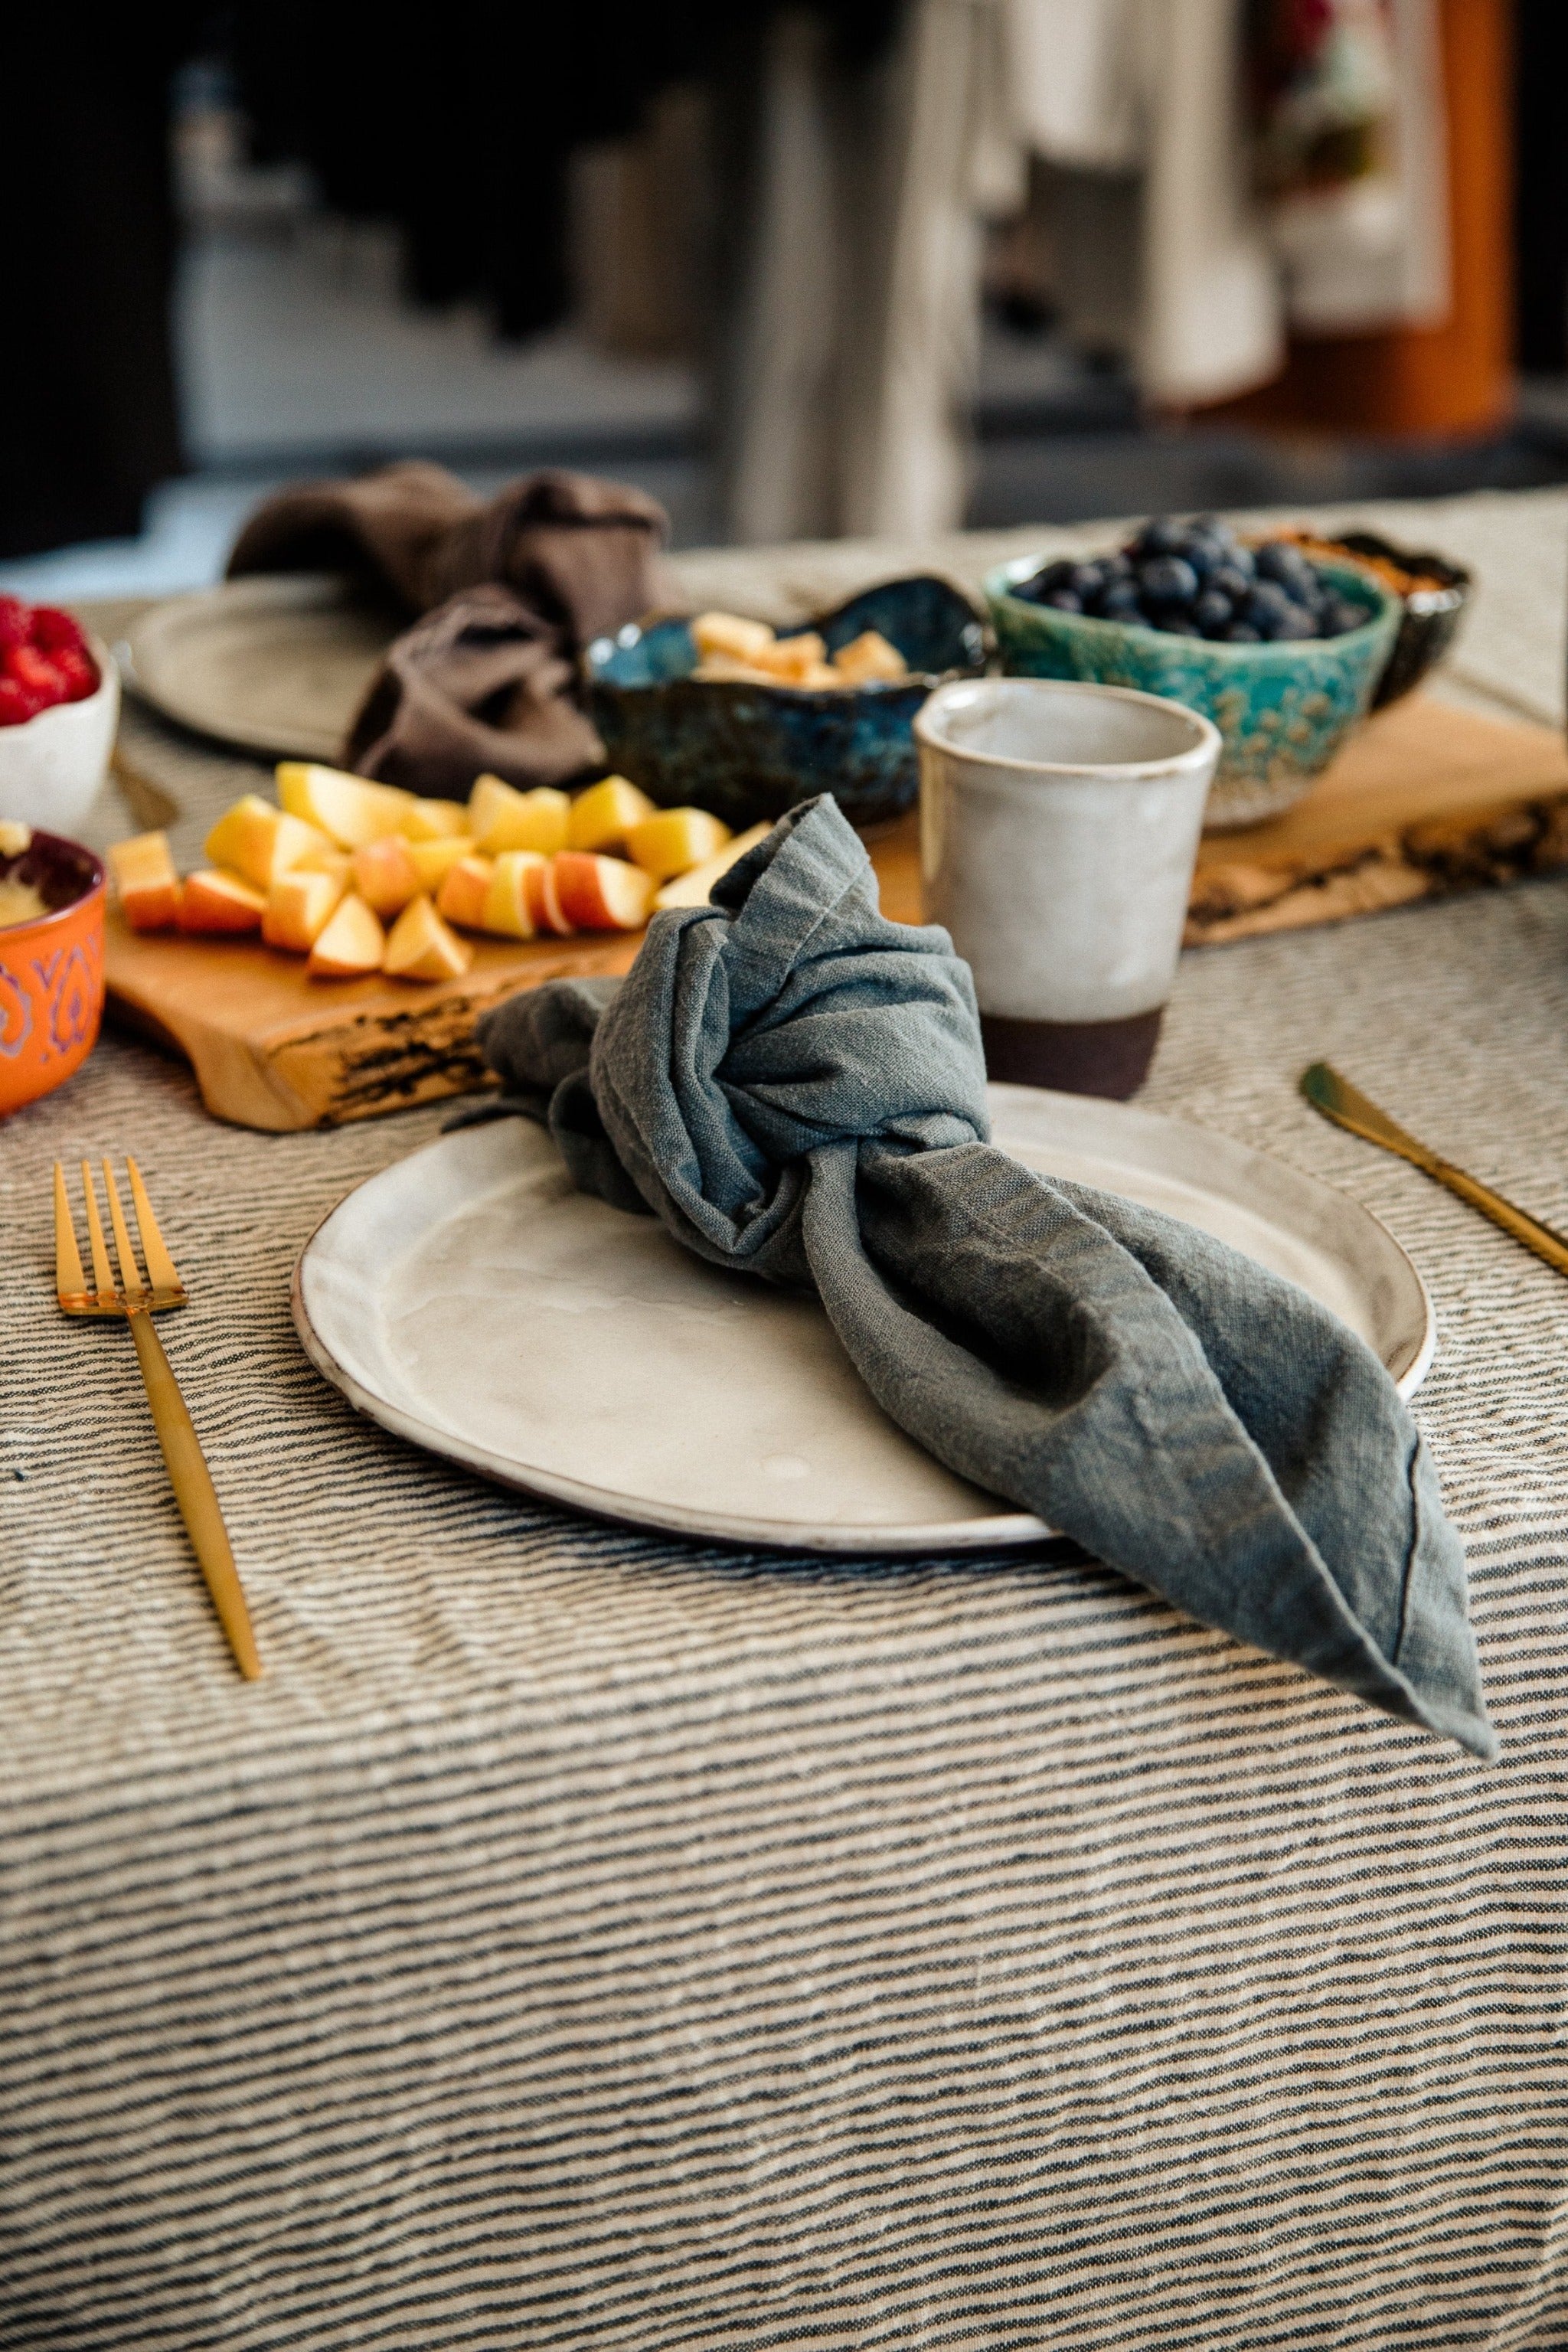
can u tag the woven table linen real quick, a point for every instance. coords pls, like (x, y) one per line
(583, 1939)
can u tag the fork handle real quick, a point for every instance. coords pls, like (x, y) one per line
(194, 1492)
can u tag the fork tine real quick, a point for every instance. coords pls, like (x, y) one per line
(160, 1272)
(102, 1276)
(131, 1281)
(69, 1280)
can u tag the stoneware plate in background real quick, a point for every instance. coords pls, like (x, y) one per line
(277, 664)
(468, 1300)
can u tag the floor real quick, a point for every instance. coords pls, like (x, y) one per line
(297, 357)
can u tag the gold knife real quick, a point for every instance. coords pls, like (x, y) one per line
(1349, 1108)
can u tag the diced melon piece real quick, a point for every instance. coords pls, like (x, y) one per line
(420, 947)
(434, 821)
(726, 633)
(299, 907)
(146, 882)
(791, 658)
(218, 902)
(602, 817)
(261, 841)
(601, 894)
(351, 944)
(675, 840)
(692, 889)
(464, 890)
(501, 818)
(869, 656)
(431, 859)
(385, 875)
(351, 809)
(543, 900)
(508, 909)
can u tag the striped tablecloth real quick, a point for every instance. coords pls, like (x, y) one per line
(584, 1940)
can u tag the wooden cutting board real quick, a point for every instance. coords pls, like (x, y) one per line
(1429, 799)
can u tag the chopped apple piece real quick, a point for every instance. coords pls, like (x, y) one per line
(434, 821)
(543, 900)
(351, 944)
(385, 875)
(218, 902)
(432, 858)
(299, 907)
(261, 842)
(869, 656)
(328, 859)
(420, 947)
(464, 890)
(791, 658)
(146, 882)
(601, 894)
(507, 908)
(14, 836)
(726, 633)
(675, 841)
(602, 817)
(351, 809)
(501, 818)
(692, 889)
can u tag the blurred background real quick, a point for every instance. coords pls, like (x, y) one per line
(881, 267)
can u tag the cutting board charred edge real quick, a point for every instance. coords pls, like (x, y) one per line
(1429, 799)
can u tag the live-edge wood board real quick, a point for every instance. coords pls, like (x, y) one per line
(1428, 799)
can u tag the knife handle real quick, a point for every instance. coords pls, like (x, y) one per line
(1524, 1228)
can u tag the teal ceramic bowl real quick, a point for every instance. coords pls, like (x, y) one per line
(1283, 709)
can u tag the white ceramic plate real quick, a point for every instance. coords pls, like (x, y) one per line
(470, 1300)
(277, 664)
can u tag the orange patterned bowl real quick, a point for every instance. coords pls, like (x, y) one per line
(51, 970)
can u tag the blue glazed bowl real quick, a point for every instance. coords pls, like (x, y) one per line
(1283, 708)
(749, 753)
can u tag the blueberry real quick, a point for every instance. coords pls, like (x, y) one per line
(1034, 590)
(1277, 560)
(1265, 604)
(1241, 633)
(1063, 600)
(1212, 613)
(1164, 536)
(1119, 602)
(1340, 616)
(1295, 623)
(1115, 567)
(1174, 623)
(1167, 580)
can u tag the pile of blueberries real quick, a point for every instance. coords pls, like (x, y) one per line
(1196, 579)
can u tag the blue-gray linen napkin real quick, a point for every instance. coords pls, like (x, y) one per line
(795, 1085)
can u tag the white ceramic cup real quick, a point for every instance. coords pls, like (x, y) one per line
(1060, 824)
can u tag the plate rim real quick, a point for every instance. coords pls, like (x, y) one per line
(1005, 1530)
(290, 591)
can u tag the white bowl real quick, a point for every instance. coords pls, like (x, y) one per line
(51, 767)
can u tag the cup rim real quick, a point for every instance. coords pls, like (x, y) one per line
(97, 888)
(1205, 750)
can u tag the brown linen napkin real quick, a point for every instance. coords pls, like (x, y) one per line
(512, 591)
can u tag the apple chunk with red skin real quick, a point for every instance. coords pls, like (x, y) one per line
(145, 882)
(217, 904)
(601, 894)
(352, 944)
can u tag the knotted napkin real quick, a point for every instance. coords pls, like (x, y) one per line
(511, 589)
(795, 1085)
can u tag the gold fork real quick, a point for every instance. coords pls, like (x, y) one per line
(138, 1301)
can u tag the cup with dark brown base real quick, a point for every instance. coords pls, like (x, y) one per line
(1059, 826)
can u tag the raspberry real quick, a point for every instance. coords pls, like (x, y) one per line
(14, 619)
(15, 703)
(78, 673)
(54, 631)
(37, 673)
